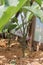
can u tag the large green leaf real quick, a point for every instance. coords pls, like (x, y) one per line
(2, 2)
(11, 10)
(12, 26)
(36, 11)
(39, 2)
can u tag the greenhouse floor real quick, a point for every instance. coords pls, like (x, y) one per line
(13, 56)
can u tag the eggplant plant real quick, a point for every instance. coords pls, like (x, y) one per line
(33, 8)
(11, 10)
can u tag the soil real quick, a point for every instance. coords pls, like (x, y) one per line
(14, 56)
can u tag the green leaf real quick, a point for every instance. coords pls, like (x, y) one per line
(11, 26)
(39, 2)
(29, 16)
(6, 2)
(11, 10)
(2, 2)
(14, 20)
(36, 11)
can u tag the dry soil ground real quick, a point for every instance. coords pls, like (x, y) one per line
(13, 56)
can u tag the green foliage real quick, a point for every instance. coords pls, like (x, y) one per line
(2, 2)
(28, 9)
(35, 10)
(11, 10)
(6, 2)
(11, 26)
(39, 2)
